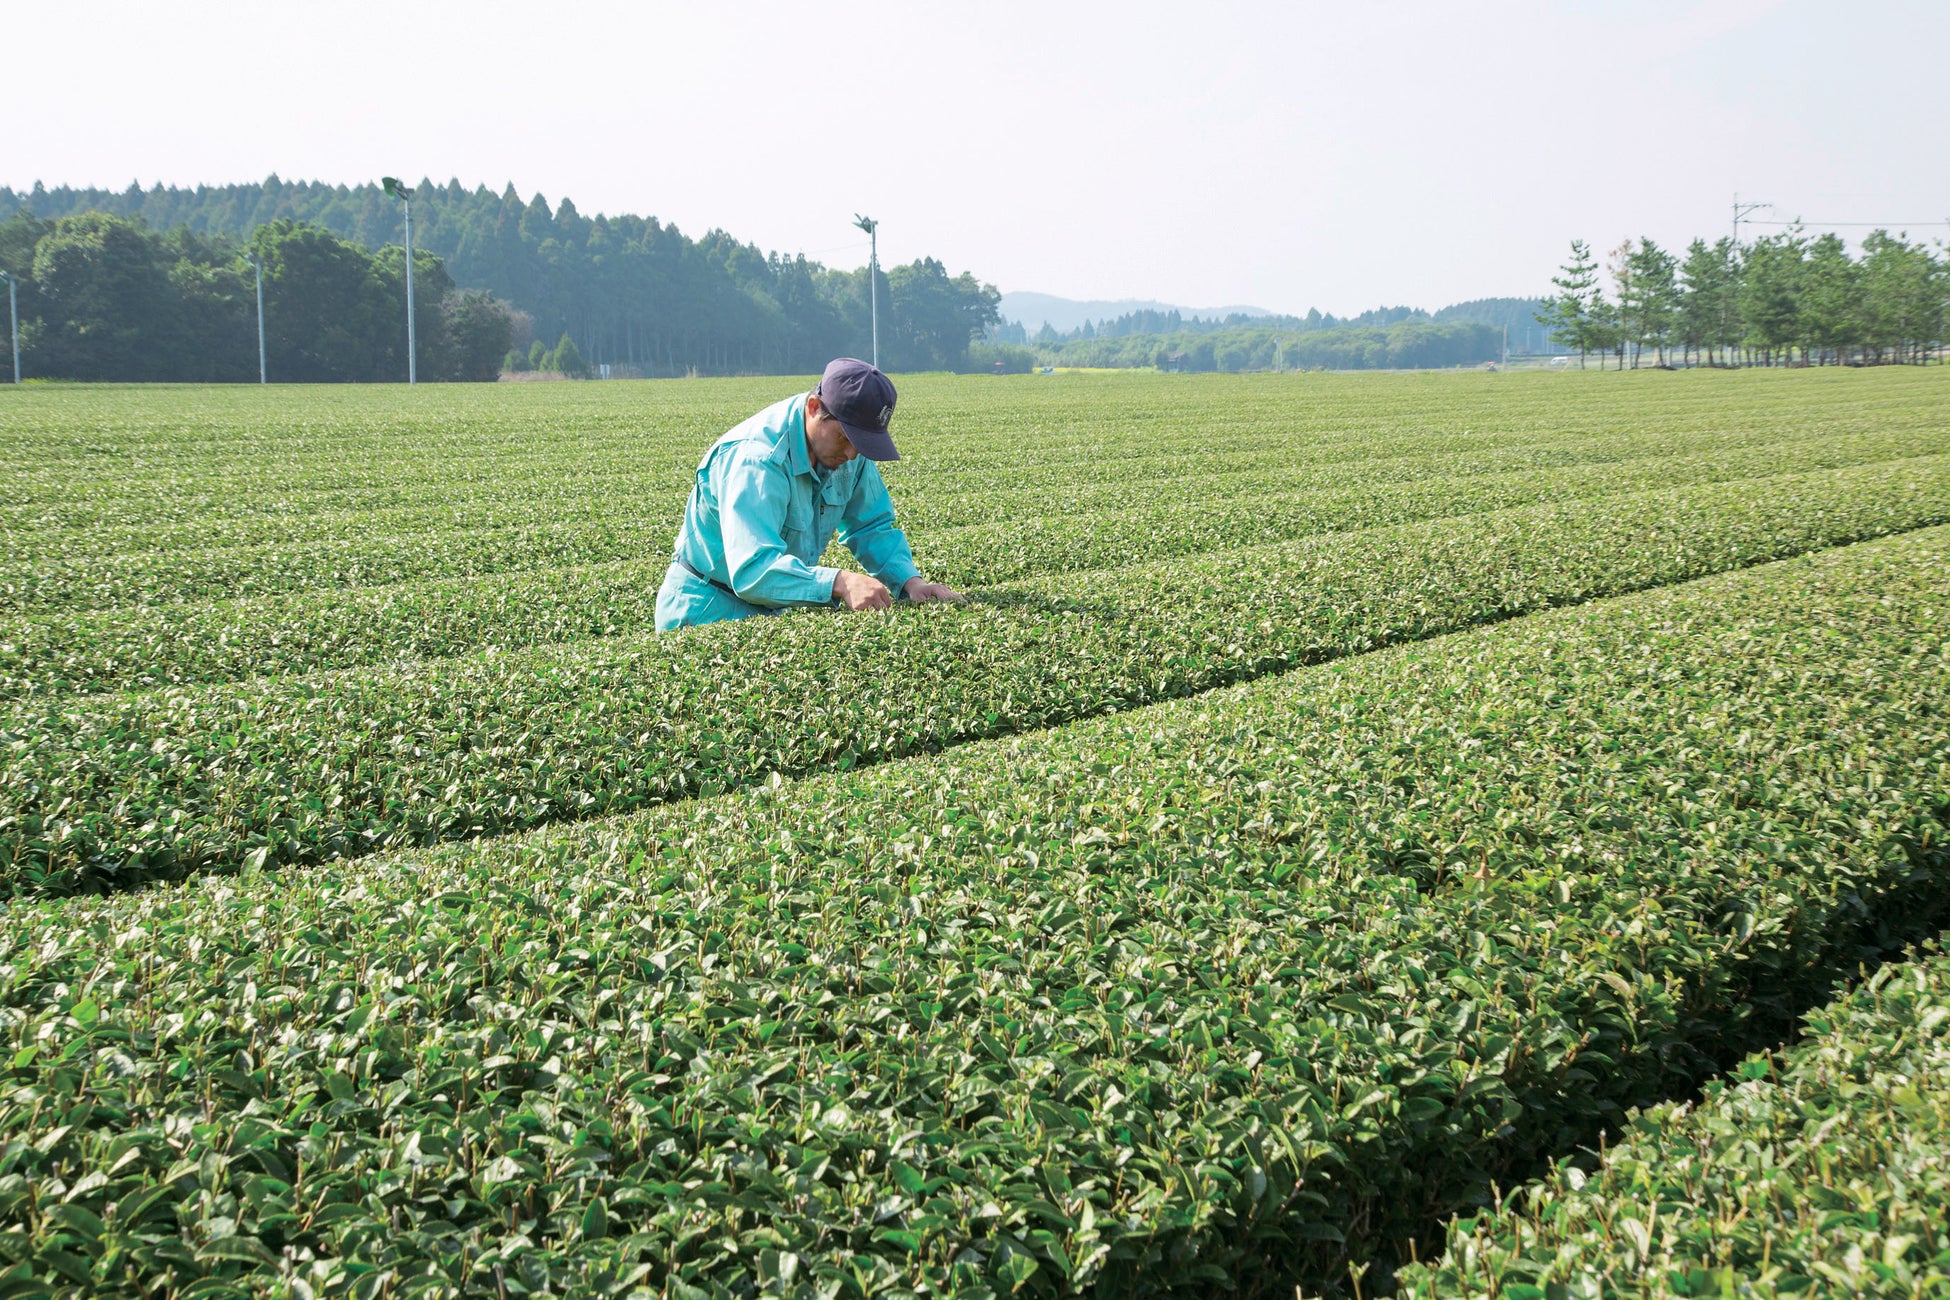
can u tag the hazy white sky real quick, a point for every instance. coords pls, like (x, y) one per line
(1287, 155)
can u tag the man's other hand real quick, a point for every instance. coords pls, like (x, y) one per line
(920, 590)
(858, 591)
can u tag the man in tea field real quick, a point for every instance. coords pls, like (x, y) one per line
(771, 493)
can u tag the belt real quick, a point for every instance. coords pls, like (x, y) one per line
(705, 577)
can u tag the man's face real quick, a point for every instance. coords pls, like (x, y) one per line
(826, 439)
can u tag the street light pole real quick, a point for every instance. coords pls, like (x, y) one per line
(263, 372)
(872, 228)
(13, 316)
(405, 196)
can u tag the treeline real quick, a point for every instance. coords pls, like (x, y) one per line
(630, 291)
(104, 298)
(1784, 299)
(1407, 345)
(1515, 313)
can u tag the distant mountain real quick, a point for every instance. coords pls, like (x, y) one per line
(1031, 310)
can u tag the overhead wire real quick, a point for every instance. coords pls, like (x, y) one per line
(1883, 225)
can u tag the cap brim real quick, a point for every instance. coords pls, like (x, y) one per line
(871, 443)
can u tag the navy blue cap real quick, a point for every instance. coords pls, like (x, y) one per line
(862, 400)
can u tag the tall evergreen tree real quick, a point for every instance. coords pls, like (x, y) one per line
(1696, 300)
(1830, 306)
(567, 359)
(1770, 294)
(1567, 314)
(1708, 301)
(1655, 297)
(1904, 290)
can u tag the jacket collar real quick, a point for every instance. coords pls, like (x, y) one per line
(797, 458)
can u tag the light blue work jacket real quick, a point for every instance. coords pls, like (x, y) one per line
(760, 516)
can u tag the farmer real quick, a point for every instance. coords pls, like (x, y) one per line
(770, 493)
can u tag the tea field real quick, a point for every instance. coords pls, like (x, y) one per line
(1342, 802)
(1818, 1170)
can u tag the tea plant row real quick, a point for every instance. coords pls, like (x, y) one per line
(1012, 482)
(173, 644)
(180, 469)
(1820, 1170)
(995, 536)
(102, 792)
(1234, 992)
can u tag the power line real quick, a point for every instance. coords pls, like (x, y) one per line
(1826, 224)
(1740, 211)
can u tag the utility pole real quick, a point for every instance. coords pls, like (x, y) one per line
(263, 373)
(1740, 210)
(405, 196)
(872, 228)
(13, 315)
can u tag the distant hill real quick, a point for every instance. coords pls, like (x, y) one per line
(1132, 317)
(1033, 310)
(1517, 315)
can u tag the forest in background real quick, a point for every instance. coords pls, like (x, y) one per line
(630, 292)
(105, 298)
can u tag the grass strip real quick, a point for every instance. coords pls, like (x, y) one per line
(150, 646)
(1232, 992)
(1823, 1169)
(104, 792)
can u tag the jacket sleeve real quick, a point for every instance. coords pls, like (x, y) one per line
(753, 495)
(867, 529)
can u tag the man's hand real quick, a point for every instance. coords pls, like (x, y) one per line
(857, 591)
(920, 590)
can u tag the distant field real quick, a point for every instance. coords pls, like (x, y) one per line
(178, 471)
(1343, 791)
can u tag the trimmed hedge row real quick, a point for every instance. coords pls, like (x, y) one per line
(149, 646)
(527, 489)
(1823, 1169)
(103, 792)
(160, 457)
(998, 535)
(1232, 992)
